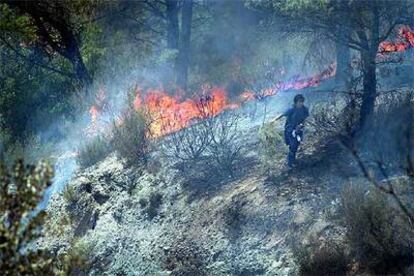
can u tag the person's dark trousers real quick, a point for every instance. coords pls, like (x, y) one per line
(293, 144)
(293, 148)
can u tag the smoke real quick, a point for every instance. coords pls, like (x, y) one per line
(235, 51)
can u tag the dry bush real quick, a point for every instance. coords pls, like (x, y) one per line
(335, 119)
(319, 259)
(185, 258)
(130, 137)
(91, 153)
(188, 144)
(225, 148)
(378, 234)
(233, 216)
(271, 148)
(263, 81)
(152, 205)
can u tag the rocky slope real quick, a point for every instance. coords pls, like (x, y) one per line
(137, 222)
(162, 221)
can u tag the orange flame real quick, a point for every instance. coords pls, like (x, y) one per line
(94, 113)
(294, 84)
(169, 113)
(406, 37)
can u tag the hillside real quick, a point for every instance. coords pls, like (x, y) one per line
(162, 220)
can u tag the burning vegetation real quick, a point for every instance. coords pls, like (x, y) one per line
(405, 42)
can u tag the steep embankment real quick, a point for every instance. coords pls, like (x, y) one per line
(162, 220)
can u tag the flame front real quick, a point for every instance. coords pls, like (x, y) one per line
(406, 41)
(295, 83)
(168, 113)
(172, 113)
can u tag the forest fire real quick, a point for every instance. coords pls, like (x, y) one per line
(170, 113)
(406, 41)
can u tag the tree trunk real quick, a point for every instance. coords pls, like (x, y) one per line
(172, 24)
(369, 85)
(369, 67)
(184, 54)
(343, 60)
(80, 69)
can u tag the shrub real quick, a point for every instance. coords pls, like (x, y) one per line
(70, 195)
(152, 205)
(185, 258)
(233, 216)
(335, 119)
(271, 147)
(188, 144)
(77, 260)
(225, 148)
(91, 153)
(20, 193)
(130, 138)
(321, 259)
(377, 232)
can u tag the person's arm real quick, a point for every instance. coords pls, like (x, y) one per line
(277, 118)
(284, 114)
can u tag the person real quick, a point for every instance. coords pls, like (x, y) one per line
(295, 119)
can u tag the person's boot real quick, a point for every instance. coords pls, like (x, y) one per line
(290, 161)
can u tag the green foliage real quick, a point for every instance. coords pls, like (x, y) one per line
(36, 83)
(300, 5)
(69, 194)
(29, 92)
(130, 138)
(271, 147)
(93, 152)
(378, 234)
(77, 260)
(21, 190)
(93, 48)
(11, 22)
